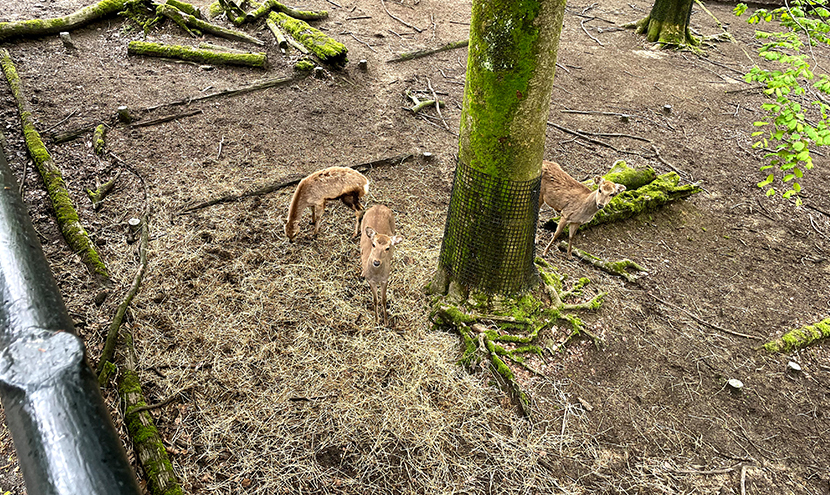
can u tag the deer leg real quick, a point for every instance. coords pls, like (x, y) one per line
(383, 303)
(571, 233)
(559, 229)
(374, 299)
(316, 215)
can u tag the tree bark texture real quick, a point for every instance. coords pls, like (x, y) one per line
(43, 27)
(195, 55)
(668, 23)
(489, 239)
(67, 216)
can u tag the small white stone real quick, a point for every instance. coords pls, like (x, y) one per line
(735, 384)
(793, 366)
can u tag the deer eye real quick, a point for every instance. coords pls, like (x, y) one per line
(387, 248)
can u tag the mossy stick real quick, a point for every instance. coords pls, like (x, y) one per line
(42, 27)
(185, 7)
(800, 337)
(280, 37)
(269, 5)
(98, 139)
(149, 49)
(268, 83)
(192, 22)
(67, 216)
(403, 57)
(98, 195)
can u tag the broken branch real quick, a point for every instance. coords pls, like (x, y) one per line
(423, 53)
(150, 49)
(42, 27)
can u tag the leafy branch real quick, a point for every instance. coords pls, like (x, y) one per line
(792, 131)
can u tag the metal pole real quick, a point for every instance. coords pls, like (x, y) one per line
(63, 434)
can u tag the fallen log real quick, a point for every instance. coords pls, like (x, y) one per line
(269, 5)
(423, 53)
(180, 17)
(185, 7)
(631, 178)
(65, 212)
(320, 44)
(43, 27)
(149, 49)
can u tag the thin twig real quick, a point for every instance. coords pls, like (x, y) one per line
(664, 162)
(704, 322)
(589, 34)
(437, 105)
(162, 403)
(382, 2)
(361, 41)
(62, 121)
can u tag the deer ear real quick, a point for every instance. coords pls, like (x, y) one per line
(396, 239)
(620, 188)
(598, 180)
(370, 232)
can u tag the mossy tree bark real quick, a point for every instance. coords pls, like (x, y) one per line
(511, 62)
(43, 27)
(668, 23)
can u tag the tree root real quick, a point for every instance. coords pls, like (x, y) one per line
(621, 268)
(800, 337)
(498, 328)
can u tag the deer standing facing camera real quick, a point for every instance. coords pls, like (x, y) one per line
(575, 202)
(377, 245)
(332, 183)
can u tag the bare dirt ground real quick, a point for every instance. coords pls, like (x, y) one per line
(288, 387)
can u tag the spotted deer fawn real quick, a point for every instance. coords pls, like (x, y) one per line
(332, 183)
(377, 245)
(575, 202)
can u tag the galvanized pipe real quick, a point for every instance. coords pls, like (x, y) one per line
(63, 434)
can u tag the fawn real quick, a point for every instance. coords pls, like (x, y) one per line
(377, 245)
(574, 201)
(341, 183)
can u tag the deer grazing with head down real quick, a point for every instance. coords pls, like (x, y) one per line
(332, 183)
(575, 202)
(377, 245)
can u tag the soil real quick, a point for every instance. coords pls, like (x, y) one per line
(648, 411)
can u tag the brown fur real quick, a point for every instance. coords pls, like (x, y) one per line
(574, 201)
(377, 245)
(324, 185)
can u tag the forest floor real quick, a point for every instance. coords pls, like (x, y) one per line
(282, 382)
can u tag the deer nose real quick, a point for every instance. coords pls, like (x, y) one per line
(376, 263)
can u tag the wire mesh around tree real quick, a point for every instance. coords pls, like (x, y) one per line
(489, 235)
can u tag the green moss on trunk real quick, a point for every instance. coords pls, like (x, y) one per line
(195, 55)
(631, 178)
(320, 44)
(43, 27)
(67, 217)
(668, 24)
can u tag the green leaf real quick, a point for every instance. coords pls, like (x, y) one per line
(798, 145)
(760, 123)
(770, 192)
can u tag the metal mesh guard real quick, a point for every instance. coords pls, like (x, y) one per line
(489, 236)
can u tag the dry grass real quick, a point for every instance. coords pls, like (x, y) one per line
(291, 387)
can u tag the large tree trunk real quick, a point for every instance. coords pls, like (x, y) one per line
(668, 23)
(489, 238)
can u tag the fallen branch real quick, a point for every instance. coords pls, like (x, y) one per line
(419, 104)
(268, 83)
(269, 5)
(278, 35)
(320, 44)
(98, 139)
(190, 21)
(619, 268)
(101, 192)
(288, 182)
(65, 212)
(423, 53)
(41, 27)
(800, 337)
(149, 49)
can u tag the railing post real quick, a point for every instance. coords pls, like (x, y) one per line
(63, 434)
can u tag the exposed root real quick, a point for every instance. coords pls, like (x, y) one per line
(499, 328)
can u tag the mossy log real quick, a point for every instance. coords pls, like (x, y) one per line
(98, 195)
(664, 189)
(320, 44)
(185, 7)
(190, 21)
(147, 442)
(800, 337)
(281, 41)
(269, 5)
(403, 57)
(65, 212)
(195, 55)
(43, 27)
(631, 178)
(500, 328)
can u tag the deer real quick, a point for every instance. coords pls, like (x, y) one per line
(576, 203)
(343, 183)
(377, 245)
